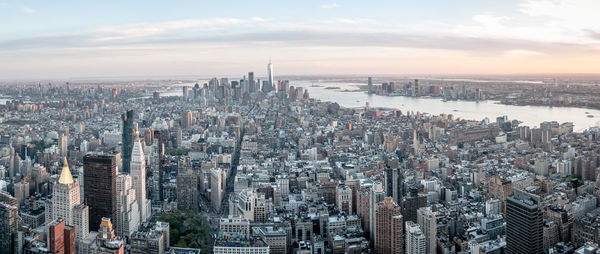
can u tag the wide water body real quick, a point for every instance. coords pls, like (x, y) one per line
(529, 115)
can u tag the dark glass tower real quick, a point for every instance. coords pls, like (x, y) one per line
(100, 191)
(127, 140)
(393, 184)
(524, 224)
(412, 203)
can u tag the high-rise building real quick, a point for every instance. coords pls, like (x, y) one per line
(427, 220)
(417, 88)
(100, 192)
(187, 186)
(61, 237)
(66, 202)
(185, 92)
(156, 167)
(128, 213)
(63, 142)
(389, 235)
(524, 223)
(138, 175)
(127, 139)
(21, 191)
(412, 203)
(65, 196)
(186, 119)
(9, 223)
(393, 184)
(217, 187)
(376, 195)
(270, 73)
(370, 85)
(81, 221)
(251, 82)
(415, 239)
(179, 137)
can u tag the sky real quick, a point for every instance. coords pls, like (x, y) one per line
(66, 39)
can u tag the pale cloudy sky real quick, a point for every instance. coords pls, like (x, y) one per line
(60, 39)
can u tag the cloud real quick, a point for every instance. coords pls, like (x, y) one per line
(346, 21)
(543, 20)
(27, 10)
(594, 35)
(329, 6)
(522, 53)
(151, 29)
(290, 37)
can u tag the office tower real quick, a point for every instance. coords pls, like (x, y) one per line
(186, 119)
(362, 208)
(251, 81)
(9, 223)
(127, 140)
(179, 137)
(63, 142)
(524, 223)
(376, 195)
(187, 186)
(270, 73)
(411, 203)
(100, 177)
(389, 238)
(104, 241)
(156, 167)
(56, 239)
(417, 88)
(81, 221)
(370, 85)
(70, 239)
(66, 202)
(217, 187)
(415, 239)
(185, 92)
(128, 212)
(65, 196)
(393, 184)
(428, 223)
(61, 237)
(138, 175)
(21, 192)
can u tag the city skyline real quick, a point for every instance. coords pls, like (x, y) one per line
(49, 40)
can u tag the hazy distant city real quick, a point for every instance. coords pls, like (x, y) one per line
(305, 128)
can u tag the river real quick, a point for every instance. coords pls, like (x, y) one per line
(472, 110)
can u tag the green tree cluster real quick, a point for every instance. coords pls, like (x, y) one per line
(188, 230)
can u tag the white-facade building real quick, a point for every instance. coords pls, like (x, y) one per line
(66, 203)
(138, 175)
(128, 217)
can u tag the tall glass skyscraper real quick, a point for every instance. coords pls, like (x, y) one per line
(270, 73)
(524, 223)
(127, 140)
(100, 191)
